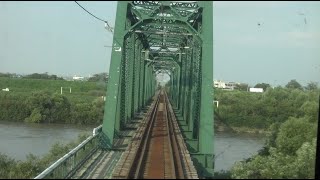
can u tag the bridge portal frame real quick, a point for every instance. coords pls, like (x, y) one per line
(141, 26)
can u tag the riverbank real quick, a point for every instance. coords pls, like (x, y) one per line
(250, 130)
(219, 127)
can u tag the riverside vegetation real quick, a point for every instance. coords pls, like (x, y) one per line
(289, 116)
(36, 98)
(40, 101)
(33, 165)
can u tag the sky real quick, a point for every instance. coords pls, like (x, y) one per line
(253, 42)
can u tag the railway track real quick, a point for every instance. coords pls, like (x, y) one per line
(99, 166)
(157, 149)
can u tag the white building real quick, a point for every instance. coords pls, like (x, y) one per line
(219, 84)
(230, 85)
(256, 89)
(225, 85)
(6, 89)
(77, 78)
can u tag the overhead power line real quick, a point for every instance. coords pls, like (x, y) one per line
(107, 26)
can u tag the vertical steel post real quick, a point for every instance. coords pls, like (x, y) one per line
(206, 111)
(111, 110)
(131, 63)
(206, 121)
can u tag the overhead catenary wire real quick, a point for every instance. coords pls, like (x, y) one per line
(108, 27)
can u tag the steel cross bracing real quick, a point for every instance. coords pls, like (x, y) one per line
(172, 37)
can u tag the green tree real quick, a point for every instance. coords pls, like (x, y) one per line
(6, 164)
(310, 109)
(311, 86)
(279, 165)
(61, 108)
(27, 169)
(99, 77)
(98, 110)
(289, 152)
(304, 164)
(293, 84)
(293, 133)
(264, 86)
(42, 102)
(272, 134)
(35, 116)
(82, 113)
(242, 87)
(43, 76)
(276, 165)
(47, 107)
(6, 74)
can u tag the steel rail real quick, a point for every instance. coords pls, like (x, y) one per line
(135, 169)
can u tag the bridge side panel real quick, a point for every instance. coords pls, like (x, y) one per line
(206, 127)
(111, 119)
(206, 113)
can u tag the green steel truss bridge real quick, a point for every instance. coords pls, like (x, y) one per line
(147, 131)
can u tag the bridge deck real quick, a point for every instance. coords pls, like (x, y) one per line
(164, 154)
(99, 166)
(157, 149)
(102, 163)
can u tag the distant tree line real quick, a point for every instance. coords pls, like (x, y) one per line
(5, 74)
(103, 77)
(99, 77)
(32, 76)
(48, 107)
(260, 110)
(42, 76)
(293, 84)
(9, 75)
(264, 86)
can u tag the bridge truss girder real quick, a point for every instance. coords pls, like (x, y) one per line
(171, 37)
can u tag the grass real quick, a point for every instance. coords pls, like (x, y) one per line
(80, 90)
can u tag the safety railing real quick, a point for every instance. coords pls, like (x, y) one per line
(67, 165)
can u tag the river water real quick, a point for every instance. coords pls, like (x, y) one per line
(231, 147)
(19, 139)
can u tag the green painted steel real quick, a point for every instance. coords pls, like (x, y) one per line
(206, 113)
(131, 80)
(111, 121)
(152, 37)
(171, 37)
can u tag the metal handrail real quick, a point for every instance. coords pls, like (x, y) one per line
(71, 155)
